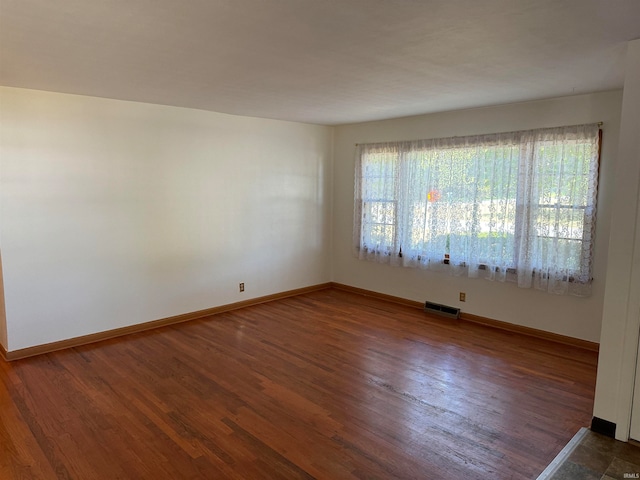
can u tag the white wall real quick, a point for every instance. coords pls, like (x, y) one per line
(3, 318)
(566, 315)
(116, 213)
(621, 318)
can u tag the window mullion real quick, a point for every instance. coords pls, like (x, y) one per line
(402, 205)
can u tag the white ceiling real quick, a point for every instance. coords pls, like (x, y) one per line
(317, 61)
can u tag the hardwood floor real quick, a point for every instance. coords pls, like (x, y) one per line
(327, 385)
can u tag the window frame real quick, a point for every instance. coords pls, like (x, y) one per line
(582, 275)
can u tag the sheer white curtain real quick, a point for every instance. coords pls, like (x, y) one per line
(512, 206)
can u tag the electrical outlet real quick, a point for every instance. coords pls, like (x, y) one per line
(463, 297)
(242, 287)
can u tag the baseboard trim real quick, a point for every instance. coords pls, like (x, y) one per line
(141, 327)
(488, 322)
(381, 296)
(186, 317)
(603, 427)
(532, 332)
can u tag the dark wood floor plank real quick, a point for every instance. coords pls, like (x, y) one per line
(324, 385)
(22, 457)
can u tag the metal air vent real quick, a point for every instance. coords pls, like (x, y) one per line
(443, 310)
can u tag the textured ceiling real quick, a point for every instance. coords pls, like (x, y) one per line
(317, 61)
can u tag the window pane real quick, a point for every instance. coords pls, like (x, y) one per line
(562, 203)
(567, 254)
(463, 203)
(378, 226)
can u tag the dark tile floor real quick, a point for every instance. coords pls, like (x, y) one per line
(590, 456)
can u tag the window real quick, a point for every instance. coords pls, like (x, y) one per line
(511, 206)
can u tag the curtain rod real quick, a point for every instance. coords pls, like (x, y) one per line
(599, 124)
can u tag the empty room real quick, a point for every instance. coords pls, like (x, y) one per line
(357, 239)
